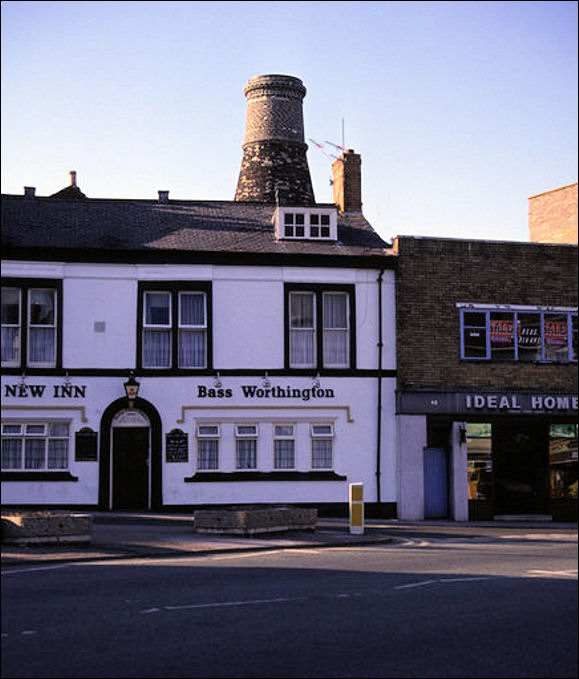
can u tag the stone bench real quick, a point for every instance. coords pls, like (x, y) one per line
(255, 520)
(46, 527)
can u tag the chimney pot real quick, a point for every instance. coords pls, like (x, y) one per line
(29, 191)
(72, 176)
(163, 196)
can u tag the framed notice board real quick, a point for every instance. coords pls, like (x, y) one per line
(177, 446)
(85, 445)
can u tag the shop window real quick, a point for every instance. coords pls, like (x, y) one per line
(479, 461)
(175, 332)
(35, 446)
(563, 461)
(284, 450)
(31, 313)
(322, 446)
(246, 446)
(525, 335)
(208, 447)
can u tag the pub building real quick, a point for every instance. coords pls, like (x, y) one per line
(487, 379)
(168, 354)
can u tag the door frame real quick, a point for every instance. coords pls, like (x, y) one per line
(155, 454)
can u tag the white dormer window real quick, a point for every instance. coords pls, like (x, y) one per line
(306, 223)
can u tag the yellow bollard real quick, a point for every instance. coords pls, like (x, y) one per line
(357, 508)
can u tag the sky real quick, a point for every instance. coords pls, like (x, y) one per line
(459, 110)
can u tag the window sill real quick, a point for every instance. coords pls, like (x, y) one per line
(216, 477)
(38, 476)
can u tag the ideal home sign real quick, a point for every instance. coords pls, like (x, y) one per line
(487, 403)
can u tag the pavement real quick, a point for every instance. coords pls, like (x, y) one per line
(122, 535)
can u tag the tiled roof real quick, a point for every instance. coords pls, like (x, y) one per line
(115, 225)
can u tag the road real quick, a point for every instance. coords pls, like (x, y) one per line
(422, 607)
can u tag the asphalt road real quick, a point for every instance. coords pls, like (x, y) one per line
(428, 607)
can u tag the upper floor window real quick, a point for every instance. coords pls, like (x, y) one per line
(519, 334)
(306, 223)
(175, 326)
(320, 324)
(30, 323)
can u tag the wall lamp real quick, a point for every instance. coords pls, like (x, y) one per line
(131, 388)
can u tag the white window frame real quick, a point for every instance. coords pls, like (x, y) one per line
(213, 435)
(246, 436)
(277, 436)
(184, 328)
(310, 229)
(158, 327)
(295, 331)
(26, 433)
(343, 330)
(327, 435)
(15, 326)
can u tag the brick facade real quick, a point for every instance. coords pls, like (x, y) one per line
(436, 274)
(553, 216)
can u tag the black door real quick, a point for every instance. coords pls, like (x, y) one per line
(130, 468)
(521, 466)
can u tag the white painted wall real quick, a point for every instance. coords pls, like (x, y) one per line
(248, 334)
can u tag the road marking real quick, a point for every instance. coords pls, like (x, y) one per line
(225, 604)
(415, 584)
(37, 568)
(244, 555)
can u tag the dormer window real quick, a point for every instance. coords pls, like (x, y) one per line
(306, 223)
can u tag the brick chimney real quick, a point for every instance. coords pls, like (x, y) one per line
(274, 149)
(347, 181)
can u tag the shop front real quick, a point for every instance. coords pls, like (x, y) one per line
(518, 451)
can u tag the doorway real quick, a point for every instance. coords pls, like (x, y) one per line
(130, 468)
(521, 468)
(435, 483)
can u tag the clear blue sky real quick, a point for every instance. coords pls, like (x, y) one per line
(460, 110)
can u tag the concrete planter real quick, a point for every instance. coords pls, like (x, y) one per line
(46, 527)
(254, 520)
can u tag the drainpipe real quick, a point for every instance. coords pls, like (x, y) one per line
(379, 413)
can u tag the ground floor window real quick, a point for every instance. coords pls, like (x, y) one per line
(35, 446)
(208, 447)
(264, 446)
(246, 446)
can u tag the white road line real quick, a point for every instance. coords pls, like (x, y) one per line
(37, 568)
(415, 584)
(224, 604)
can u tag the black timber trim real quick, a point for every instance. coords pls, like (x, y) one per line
(93, 255)
(38, 476)
(225, 372)
(216, 477)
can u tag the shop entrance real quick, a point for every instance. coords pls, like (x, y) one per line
(520, 453)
